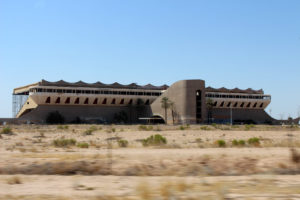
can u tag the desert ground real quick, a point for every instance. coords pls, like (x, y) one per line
(97, 162)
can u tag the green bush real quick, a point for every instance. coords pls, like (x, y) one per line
(184, 127)
(6, 130)
(205, 128)
(235, 143)
(63, 127)
(154, 140)
(90, 130)
(249, 126)
(214, 125)
(254, 141)
(221, 143)
(242, 142)
(145, 128)
(123, 143)
(83, 145)
(238, 142)
(64, 142)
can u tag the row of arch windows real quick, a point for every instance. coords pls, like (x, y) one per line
(86, 101)
(242, 105)
(114, 92)
(209, 95)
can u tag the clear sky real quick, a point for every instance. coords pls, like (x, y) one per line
(230, 43)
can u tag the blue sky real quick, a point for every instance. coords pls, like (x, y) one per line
(230, 43)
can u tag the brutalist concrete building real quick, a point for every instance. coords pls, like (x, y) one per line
(189, 101)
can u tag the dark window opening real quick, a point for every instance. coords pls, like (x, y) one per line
(261, 105)
(77, 101)
(235, 105)
(113, 101)
(122, 101)
(229, 104)
(48, 100)
(254, 106)
(86, 101)
(95, 101)
(242, 105)
(248, 106)
(198, 106)
(222, 104)
(67, 100)
(215, 104)
(130, 102)
(147, 102)
(57, 100)
(104, 101)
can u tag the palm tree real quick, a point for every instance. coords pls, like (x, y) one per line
(165, 104)
(172, 106)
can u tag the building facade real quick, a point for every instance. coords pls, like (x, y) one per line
(189, 101)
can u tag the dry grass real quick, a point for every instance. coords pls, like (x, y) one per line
(190, 154)
(14, 180)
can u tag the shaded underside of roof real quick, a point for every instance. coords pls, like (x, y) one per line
(235, 90)
(98, 84)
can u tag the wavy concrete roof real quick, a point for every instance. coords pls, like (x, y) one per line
(98, 84)
(235, 90)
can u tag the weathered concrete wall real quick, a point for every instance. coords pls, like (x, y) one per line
(104, 113)
(183, 94)
(259, 116)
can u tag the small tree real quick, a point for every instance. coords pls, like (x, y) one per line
(172, 106)
(165, 104)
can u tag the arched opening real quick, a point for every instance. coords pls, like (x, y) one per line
(113, 101)
(95, 101)
(147, 102)
(261, 105)
(104, 101)
(67, 100)
(130, 102)
(48, 100)
(242, 105)
(77, 100)
(86, 101)
(222, 104)
(156, 119)
(57, 100)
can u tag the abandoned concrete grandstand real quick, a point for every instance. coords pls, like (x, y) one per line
(189, 102)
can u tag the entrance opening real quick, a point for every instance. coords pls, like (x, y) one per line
(76, 101)
(198, 106)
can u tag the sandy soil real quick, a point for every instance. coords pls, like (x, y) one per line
(190, 166)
